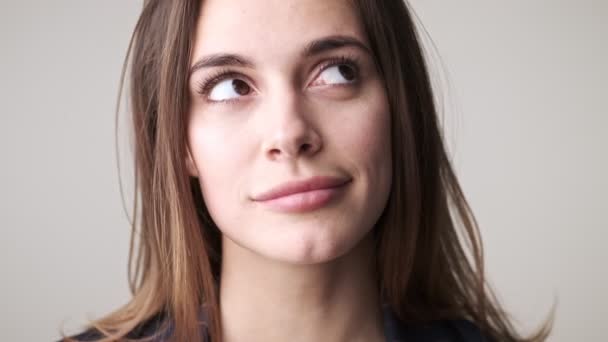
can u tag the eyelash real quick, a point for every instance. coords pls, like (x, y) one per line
(205, 86)
(351, 61)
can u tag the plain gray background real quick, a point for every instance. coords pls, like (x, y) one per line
(526, 120)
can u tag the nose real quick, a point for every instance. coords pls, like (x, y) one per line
(290, 130)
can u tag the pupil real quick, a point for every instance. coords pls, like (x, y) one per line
(347, 72)
(240, 87)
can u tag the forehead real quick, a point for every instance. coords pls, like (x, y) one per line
(271, 28)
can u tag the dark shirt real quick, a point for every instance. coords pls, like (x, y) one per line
(394, 330)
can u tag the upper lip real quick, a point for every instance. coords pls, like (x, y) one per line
(293, 187)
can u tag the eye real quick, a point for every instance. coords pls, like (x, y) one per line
(343, 73)
(228, 89)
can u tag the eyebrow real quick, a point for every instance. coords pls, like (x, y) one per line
(313, 48)
(332, 43)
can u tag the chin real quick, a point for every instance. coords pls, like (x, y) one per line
(317, 237)
(311, 245)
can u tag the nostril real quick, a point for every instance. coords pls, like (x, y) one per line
(305, 147)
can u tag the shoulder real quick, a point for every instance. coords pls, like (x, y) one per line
(147, 328)
(458, 330)
(443, 331)
(395, 331)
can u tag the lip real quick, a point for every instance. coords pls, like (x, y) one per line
(304, 195)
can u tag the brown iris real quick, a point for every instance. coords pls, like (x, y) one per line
(240, 87)
(347, 72)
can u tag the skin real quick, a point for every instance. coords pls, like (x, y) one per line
(291, 276)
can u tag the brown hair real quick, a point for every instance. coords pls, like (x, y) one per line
(429, 252)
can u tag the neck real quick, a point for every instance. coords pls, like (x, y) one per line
(265, 300)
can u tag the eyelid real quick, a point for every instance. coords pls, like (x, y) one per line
(204, 86)
(350, 60)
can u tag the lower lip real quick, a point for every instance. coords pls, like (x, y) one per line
(303, 201)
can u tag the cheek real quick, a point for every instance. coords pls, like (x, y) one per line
(375, 147)
(365, 136)
(220, 155)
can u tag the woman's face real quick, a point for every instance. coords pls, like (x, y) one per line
(287, 91)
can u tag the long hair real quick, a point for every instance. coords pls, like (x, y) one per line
(428, 248)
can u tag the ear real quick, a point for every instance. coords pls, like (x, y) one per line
(190, 164)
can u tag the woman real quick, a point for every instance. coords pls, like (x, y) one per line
(294, 183)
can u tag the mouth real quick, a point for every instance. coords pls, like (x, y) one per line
(302, 196)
